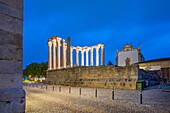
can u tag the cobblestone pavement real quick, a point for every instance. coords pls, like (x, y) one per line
(48, 101)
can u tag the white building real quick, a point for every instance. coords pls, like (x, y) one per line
(129, 55)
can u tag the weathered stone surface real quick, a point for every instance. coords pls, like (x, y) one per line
(19, 54)
(10, 24)
(12, 96)
(10, 80)
(5, 9)
(17, 4)
(18, 26)
(100, 76)
(10, 46)
(6, 23)
(10, 67)
(12, 101)
(7, 52)
(8, 38)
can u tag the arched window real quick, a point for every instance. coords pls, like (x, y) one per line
(127, 61)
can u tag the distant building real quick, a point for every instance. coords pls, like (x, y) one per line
(162, 64)
(129, 55)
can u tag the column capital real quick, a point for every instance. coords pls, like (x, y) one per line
(87, 49)
(49, 43)
(97, 47)
(91, 48)
(63, 40)
(54, 40)
(71, 48)
(59, 39)
(77, 50)
(102, 46)
(53, 37)
(82, 51)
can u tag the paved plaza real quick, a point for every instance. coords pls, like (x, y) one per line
(48, 101)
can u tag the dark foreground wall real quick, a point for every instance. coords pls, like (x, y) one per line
(101, 76)
(12, 96)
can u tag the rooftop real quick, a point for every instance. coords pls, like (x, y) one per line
(156, 60)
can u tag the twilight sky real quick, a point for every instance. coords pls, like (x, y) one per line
(89, 22)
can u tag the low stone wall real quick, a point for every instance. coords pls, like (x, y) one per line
(101, 76)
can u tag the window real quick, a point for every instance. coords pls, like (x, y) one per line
(127, 61)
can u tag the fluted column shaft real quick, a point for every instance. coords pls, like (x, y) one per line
(58, 52)
(87, 58)
(68, 51)
(91, 57)
(103, 55)
(71, 56)
(77, 57)
(82, 58)
(63, 54)
(97, 56)
(49, 55)
(54, 53)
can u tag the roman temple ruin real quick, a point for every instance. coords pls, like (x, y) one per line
(84, 66)
(60, 54)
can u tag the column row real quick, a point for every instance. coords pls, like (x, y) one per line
(87, 49)
(55, 61)
(61, 59)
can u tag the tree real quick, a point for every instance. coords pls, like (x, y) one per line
(35, 70)
(109, 63)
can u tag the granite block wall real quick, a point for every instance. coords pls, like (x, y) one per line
(12, 96)
(100, 76)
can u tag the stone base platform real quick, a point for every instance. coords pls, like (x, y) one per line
(99, 77)
(12, 101)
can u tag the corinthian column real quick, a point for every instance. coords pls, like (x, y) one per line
(87, 58)
(54, 53)
(91, 57)
(68, 51)
(97, 56)
(64, 54)
(82, 58)
(103, 54)
(77, 56)
(58, 51)
(71, 56)
(49, 55)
